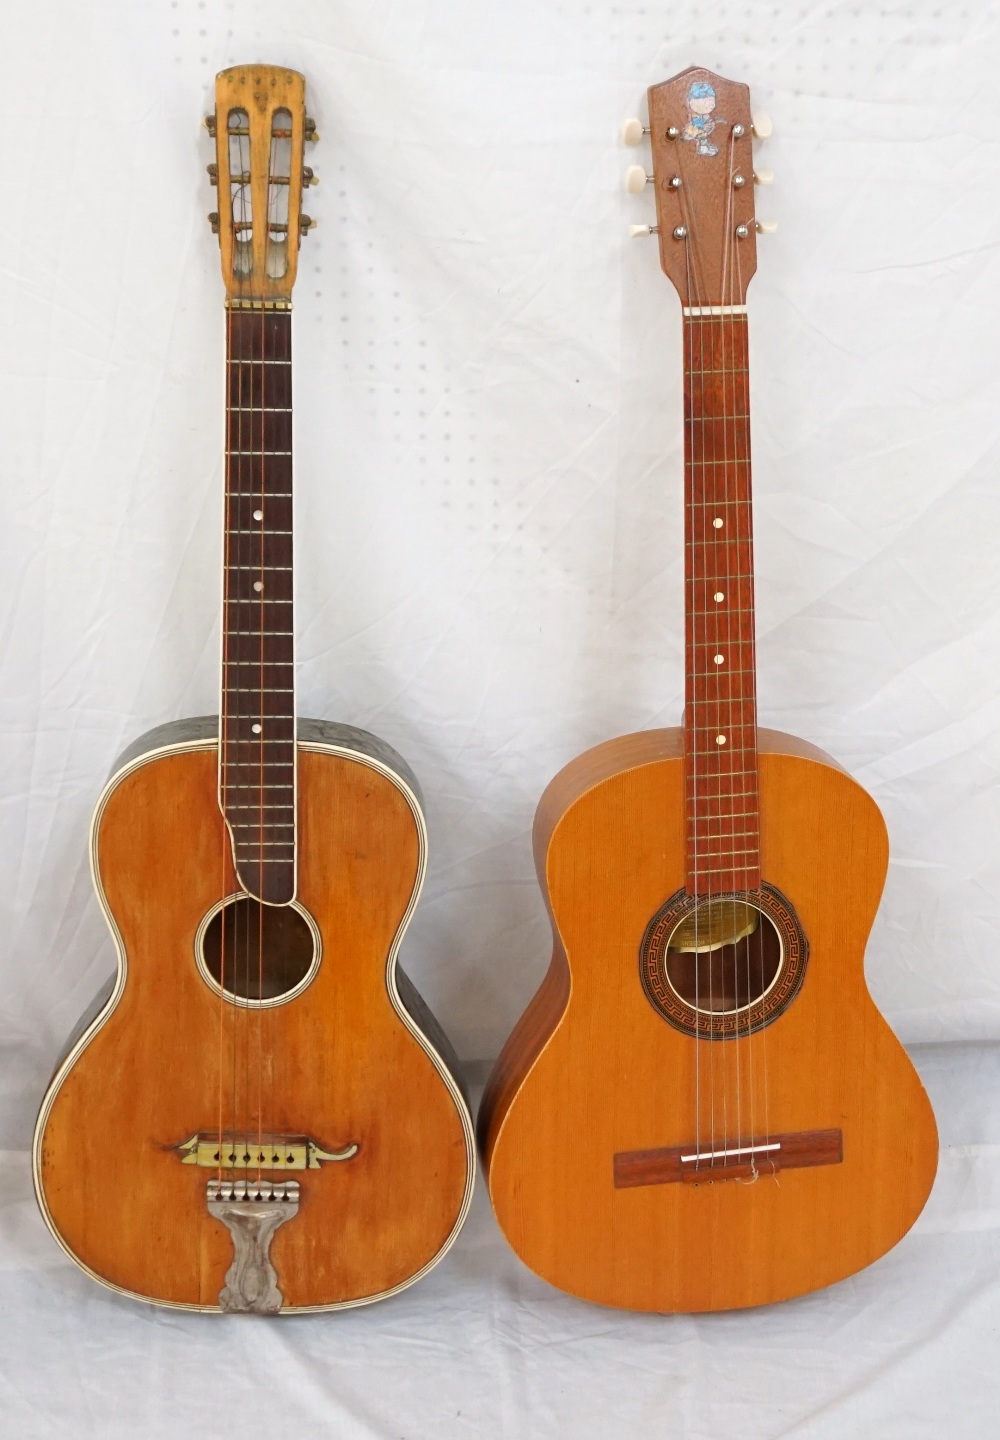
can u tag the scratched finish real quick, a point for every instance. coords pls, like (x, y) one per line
(336, 1063)
(592, 1070)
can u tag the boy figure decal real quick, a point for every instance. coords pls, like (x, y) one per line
(701, 103)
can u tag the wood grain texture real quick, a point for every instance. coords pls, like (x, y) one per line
(592, 1070)
(337, 1063)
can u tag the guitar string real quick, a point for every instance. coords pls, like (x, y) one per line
(244, 442)
(696, 513)
(224, 708)
(733, 662)
(752, 647)
(691, 770)
(692, 835)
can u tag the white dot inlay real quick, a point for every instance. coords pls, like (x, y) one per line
(717, 523)
(720, 739)
(718, 597)
(258, 514)
(718, 659)
(258, 585)
(255, 729)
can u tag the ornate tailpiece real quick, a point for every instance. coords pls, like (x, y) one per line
(251, 1211)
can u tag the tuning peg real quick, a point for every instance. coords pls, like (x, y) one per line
(213, 173)
(766, 227)
(636, 232)
(636, 179)
(307, 223)
(309, 176)
(763, 177)
(763, 127)
(633, 130)
(210, 125)
(310, 132)
(213, 220)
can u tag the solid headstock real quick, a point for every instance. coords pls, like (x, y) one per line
(260, 128)
(700, 130)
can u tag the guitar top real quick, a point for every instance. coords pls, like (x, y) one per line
(702, 1108)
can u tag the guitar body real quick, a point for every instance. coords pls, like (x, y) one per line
(352, 1059)
(594, 1071)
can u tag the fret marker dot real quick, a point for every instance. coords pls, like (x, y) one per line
(258, 585)
(718, 597)
(255, 729)
(258, 514)
(717, 523)
(718, 659)
(720, 739)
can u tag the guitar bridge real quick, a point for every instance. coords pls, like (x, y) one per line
(695, 1165)
(256, 1152)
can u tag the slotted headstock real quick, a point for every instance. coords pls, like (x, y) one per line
(700, 135)
(260, 129)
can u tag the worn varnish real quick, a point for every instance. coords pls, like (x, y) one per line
(340, 1065)
(592, 1070)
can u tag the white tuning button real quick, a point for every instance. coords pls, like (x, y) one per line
(767, 227)
(763, 127)
(635, 179)
(632, 131)
(763, 177)
(636, 232)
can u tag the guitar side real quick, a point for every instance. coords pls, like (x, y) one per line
(593, 1071)
(354, 1059)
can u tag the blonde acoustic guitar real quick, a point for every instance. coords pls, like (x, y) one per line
(259, 1114)
(702, 1108)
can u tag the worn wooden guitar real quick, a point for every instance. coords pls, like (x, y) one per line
(702, 1108)
(259, 1113)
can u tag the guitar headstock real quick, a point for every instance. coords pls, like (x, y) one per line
(260, 128)
(700, 130)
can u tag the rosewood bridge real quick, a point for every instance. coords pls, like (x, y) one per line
(691, 1165)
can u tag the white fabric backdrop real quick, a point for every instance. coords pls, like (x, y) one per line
(488, 472)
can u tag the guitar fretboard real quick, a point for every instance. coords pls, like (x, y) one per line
(257, 750)
(720, 721)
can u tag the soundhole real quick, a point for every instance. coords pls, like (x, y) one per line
(258, 954)
(721, 967)
(723, 956)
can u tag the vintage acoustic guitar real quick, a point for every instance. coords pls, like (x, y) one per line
(259, 1113)
(702, 1109)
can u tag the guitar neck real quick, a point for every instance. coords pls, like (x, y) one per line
(720, 720)
(257, 734)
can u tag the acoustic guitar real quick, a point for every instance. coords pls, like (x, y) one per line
(259, 1113)
(701, 1108)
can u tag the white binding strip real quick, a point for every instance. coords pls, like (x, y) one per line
(697, 310)
(737, 1150)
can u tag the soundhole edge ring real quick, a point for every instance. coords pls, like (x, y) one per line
(243, 1001)
(727, 1024)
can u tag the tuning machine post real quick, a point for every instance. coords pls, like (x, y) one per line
(309, 132)
(307, 223)
(210, 125)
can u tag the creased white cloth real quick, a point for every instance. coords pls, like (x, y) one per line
(483, 1349)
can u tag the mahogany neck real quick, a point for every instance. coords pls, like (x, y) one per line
(720, 718)
(257, 734)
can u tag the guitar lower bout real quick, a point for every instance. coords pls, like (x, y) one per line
(281, 1124)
